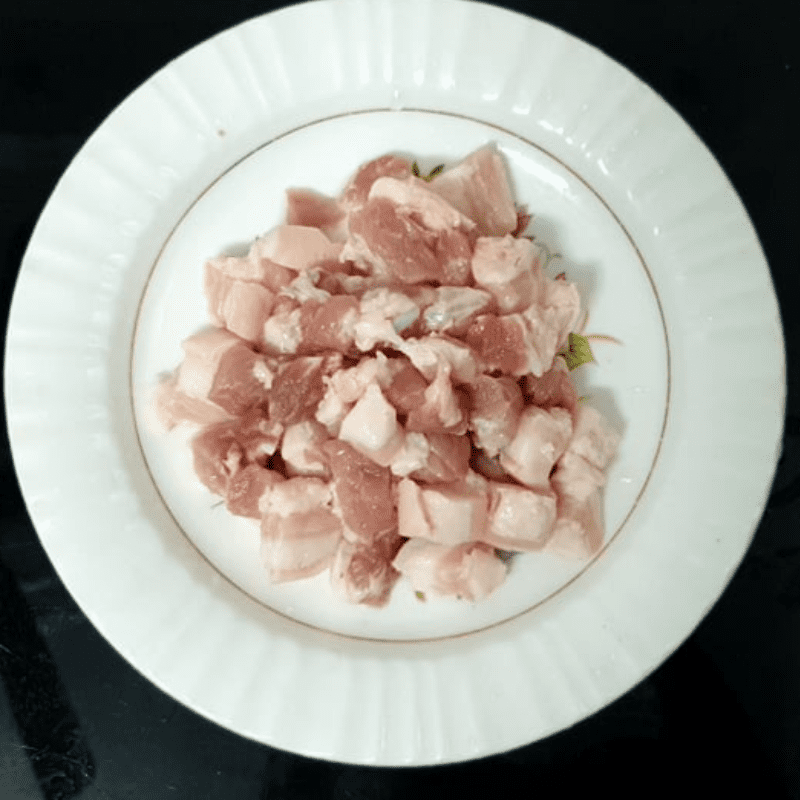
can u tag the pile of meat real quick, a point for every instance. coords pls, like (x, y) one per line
(381, 389)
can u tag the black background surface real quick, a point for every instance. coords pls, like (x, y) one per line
(721, 716)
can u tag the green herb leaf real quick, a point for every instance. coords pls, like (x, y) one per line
(420, 596)
(430, 176)
(434, 172)
(577, 352)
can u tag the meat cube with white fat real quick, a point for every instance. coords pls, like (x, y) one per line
(299, 531)
(479, 188)
(510, 269)
(297, 247)
(471, 571)
(346, 386)
(520, 519)
(363, 572)
(495, 408)
(452, 308)
(449, 513)
(248, 490)
(220, 368)
(242, 307)
(429, 353)
(592, 438)
(444, 408)
(540, 439)
(577, 480)
(301, 449)
(578, 531)
(363, 493)
(371, 427)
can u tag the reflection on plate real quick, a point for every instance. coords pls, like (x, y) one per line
(194, 163)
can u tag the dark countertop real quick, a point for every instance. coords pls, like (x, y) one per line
(722, 715)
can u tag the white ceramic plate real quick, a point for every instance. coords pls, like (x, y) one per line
(195, 163)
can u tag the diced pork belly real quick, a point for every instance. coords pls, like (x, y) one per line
(240, 306)
(283, 330)
(499, 343)
(510, 269)
(256, 266)
(576, 478)
(311, 209)
(221, 368)
(384, 242)
(527, 342)
(470, 571)
(496, 404)
(217, 456)
(304, 287)
(433, 457)
(297, 247)
(357, 284)
(299, 531)
(548, 326)
(172, 407)
(453, 249)
(259, 436)
(363, 572)
(346, 386)
(301, 449)
(383, 314)
(413, 198)
(357, 190)
(447, 458)
(371, 427)
(412, 456)
(563, 308)
(297, 389)
(328, 325)
(444, 409)
(406, 390)
(363, 492)
(449, 513)
(453, 308)
(578, 531)
(592, 439)
(543, 337)
(553, 388)
(520, 519)
(479, 188)
(424, 295)
(220, 450)
(248, 490)
(516, 344)
(409, 232)
(430, 353)
(377, 234)
(541, 438)
(395, 306)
